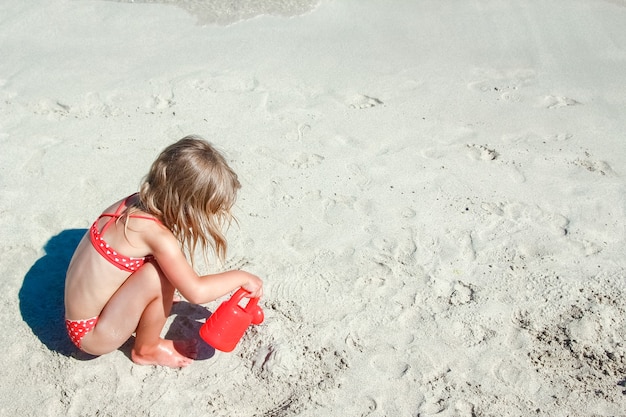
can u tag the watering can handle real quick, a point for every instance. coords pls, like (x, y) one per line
(239, 295)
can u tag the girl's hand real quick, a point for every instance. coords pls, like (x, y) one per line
(254, 286)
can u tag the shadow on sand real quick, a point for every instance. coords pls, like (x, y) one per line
(185, 326)
(41, 295)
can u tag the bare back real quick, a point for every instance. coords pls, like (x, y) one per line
(91, 279)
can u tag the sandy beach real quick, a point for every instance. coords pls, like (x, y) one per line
(434, 193)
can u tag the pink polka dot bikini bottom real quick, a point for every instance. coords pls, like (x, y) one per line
(77, 329)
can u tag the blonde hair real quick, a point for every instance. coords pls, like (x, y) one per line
(191, 189)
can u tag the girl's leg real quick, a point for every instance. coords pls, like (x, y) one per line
(150, 348)
(142, 305)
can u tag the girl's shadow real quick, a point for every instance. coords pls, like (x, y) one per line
(186, 325)
(42, 293)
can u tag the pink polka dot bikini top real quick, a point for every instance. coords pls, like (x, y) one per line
(125, 263)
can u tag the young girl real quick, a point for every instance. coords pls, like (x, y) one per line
(122, 277)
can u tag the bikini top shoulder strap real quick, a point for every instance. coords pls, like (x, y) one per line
(118, 213)
(114, 216)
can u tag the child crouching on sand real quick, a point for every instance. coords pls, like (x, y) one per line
(122, 277)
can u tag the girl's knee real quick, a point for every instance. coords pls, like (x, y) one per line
(148, 274)
(153, 280)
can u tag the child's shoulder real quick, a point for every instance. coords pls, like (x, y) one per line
(155, 233)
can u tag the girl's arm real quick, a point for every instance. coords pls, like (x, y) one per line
(197, 289)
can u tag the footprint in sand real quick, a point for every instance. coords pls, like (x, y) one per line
(512, 374)
(474, 151)
(505, 84)
(294, 238)
(54, 109)
(477, 152)
(339, 207)
(462, 293)
(223, 13)
(360, 176)
(598, 167)
(160, 102)
(363, 102)
(481, 152)
(223, 83)
(555, 102)
(438, 387)
(439, 398)
(304, 161)
(515, 217)
(526, 231)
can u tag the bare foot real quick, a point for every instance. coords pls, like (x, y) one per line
(172, 353)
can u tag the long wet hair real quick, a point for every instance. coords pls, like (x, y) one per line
(191, 189)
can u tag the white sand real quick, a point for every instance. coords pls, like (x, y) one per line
(434, 193)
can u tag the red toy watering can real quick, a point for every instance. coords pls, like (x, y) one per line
(225, 327)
